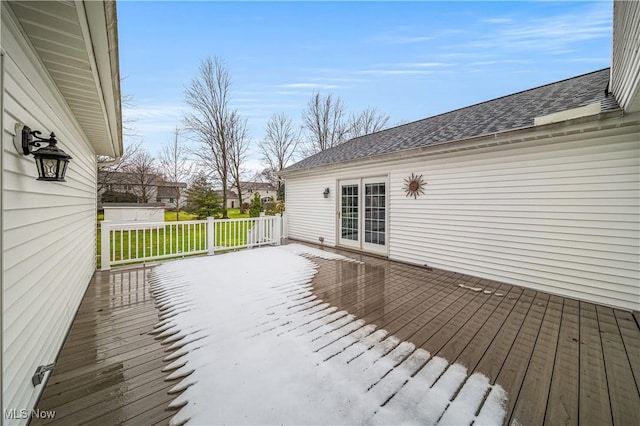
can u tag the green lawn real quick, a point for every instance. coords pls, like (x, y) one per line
(171, 239)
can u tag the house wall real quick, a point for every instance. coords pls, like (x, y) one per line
(559, 215)
(310, 216)
(625, 69)
(53, 222)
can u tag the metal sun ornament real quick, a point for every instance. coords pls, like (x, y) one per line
(413, 186)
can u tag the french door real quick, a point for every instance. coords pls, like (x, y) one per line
(362, 214)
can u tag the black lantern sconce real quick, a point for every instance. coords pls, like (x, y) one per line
(51, 161)
(326, 193)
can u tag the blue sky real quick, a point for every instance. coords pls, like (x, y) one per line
(411, 60)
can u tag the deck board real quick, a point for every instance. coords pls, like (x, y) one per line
(630, 334)
(595, 407)
(530, 407)
(622, 387)
(470, 354)
(562, 402)
(559, 360)
(442, 330)
(515, 366)
(493, 358)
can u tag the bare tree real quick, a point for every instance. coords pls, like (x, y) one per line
(176, 167)
(208, 97)
(324, 122)
(239, 146)
(278, 146)
(128, 124)
(368, 121)
(109, 169)
(142, 173)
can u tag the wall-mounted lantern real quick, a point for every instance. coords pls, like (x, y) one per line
(326, 193)
(51, 161)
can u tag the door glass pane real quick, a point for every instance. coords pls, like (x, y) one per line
(374, 213)
(349, 212)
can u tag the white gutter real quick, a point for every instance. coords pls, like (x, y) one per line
(2, 234)
(98, 22)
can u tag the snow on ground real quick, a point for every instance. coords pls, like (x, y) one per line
(255, 346)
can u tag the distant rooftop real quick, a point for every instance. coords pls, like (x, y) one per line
(509, 112)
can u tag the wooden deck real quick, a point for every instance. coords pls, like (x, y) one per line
(109, 369)
(561, 361)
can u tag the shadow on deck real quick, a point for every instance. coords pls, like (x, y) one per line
(561, 361)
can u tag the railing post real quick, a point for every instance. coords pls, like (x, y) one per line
(285, 225)
(278, 229)
(262, 235)
(211, 236)
(105, 245)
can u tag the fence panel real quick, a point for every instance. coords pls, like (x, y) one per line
(141, 242)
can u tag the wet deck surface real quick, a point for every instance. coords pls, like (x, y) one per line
(109, 370)
(561, 361)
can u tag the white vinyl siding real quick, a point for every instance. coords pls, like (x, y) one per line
(562, 219)
(625, 68)
(560, 216)
(310, 216)
(48, 227)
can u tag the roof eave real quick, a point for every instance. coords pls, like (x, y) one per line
(522, 134)
(99, 25)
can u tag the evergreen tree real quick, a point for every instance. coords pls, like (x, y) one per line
(203, 200)
(256, 205)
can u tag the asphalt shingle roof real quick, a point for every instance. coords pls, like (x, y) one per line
(509, 112)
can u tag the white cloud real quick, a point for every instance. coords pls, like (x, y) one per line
(395, 72)
(307, 86)
(290, 92)
(401, 34)
(401, 39)
(502, 61)
(553, 34)
(424, 64)
(153, 111)
(497, 20)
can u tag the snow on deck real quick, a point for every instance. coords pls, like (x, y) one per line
(255, 346)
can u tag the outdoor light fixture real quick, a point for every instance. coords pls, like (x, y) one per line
(326, 193)
(51, 161)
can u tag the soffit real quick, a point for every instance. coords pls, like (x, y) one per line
(55, 30)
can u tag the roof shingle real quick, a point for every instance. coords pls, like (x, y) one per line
(509, 112)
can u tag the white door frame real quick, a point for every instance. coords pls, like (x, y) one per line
(351, 236)
(371, 219)
(375, 221)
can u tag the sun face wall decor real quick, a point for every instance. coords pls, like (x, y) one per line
(413, 186)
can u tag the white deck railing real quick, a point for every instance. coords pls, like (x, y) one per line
(140, 242)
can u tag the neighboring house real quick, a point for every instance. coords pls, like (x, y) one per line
(153, 187)
(265, 190)
(232, 198)
(538, 188)
(59, 73)
(167, 194)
